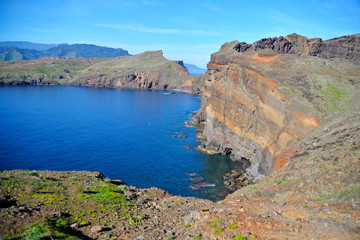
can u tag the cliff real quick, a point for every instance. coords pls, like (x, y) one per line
(260, 99)
(147, 70)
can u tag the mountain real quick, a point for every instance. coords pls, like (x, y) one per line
(17, 54)
(27, 45)
(62, 50)
(194, 70)
(147, 70)
(84, 51)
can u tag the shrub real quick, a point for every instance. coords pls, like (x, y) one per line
(219, 230)
(35, 174)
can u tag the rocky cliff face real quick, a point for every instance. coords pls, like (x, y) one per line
(346, 47)
(259, 99)
(145, 70)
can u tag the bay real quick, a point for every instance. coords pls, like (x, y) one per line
(125, 134)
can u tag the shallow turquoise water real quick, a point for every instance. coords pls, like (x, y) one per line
(125, 134)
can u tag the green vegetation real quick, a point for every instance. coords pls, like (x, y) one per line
(187, 225)
(214, 224)
(35, 174)
(197, 236)
(233, 226)
(239, 238)
(46, 229)
(219, 230)
(283, 181)
(348, 193)
(332, 97)
(279, 182)
(79, 197)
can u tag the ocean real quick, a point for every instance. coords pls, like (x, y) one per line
(125, 134)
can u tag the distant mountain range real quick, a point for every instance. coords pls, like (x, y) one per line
(27, 45)
(194, 70)
(20, 50)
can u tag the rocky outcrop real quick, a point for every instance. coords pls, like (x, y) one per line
(259, 99)
(148, 70)
(346, 47)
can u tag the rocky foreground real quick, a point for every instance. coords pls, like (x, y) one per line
(86, 205)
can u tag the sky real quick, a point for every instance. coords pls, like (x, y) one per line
(184, 30)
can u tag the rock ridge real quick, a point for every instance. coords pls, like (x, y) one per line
(258, 100)
(345, 47)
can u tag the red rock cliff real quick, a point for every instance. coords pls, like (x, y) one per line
(258, 100)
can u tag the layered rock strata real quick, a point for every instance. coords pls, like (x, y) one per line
(259, 99)
(147, 70)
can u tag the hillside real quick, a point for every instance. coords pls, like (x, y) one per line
(144, 70)
(13, 53)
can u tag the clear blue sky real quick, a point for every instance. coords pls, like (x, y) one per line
(187, 30)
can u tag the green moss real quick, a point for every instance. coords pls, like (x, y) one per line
(219, 230)
(239, 238)
(187, 225)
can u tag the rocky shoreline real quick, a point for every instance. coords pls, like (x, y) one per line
(87, 205)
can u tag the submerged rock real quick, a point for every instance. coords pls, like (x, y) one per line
(192, 174)
(198, 179)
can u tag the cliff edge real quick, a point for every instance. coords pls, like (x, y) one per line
(260, 99)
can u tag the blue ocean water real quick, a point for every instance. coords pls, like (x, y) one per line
(125, 134)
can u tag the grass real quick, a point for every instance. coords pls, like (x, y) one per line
(346, 194)
(82, 202)
(233, 226)
(214, 224)
(47, 229)
(219, 230)
(239, 238)
(35, 174)
(332, 97)
(197, 236)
